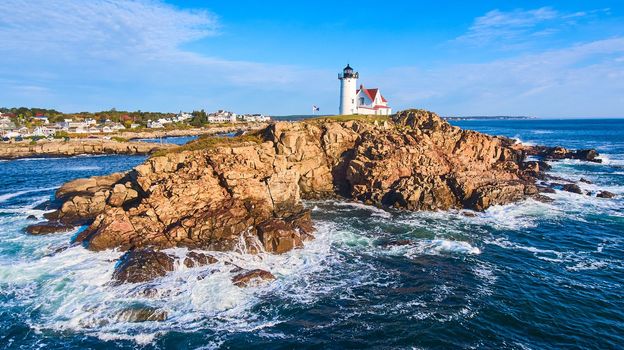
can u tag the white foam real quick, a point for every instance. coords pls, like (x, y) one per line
(72, 290)
(588, 265)
(376, 211)
(520, 142)
(610, 160)
(441, 246)
(5, 197)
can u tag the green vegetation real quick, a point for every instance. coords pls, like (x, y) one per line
(61, 135)
(354, 117)
(209, 142)
(119, 139)
(22, 115)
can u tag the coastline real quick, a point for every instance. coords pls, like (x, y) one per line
(468, 249)
(151, 134)
(94, 144)
(75, 147)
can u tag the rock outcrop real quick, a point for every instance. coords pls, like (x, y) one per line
(558, 153)
(58, 148)
(605, 194)
(574, 188)
(251, 277)
(142, 265)
(245, 193)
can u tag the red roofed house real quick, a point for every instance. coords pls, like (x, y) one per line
(362, 100)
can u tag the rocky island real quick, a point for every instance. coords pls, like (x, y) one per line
(221, 194)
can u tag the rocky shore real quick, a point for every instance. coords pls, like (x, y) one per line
(153, 134)
(246, 193)
(74, 147)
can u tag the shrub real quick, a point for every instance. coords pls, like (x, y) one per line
(119, 139)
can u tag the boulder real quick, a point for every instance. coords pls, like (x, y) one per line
(195, 259)
(277, 236)
(44, 228)
(249, 278)
(589, 155)
(141, 314)
(546, 189)
(142, 265)
(396, 242)
(574, 188)
(31, 217)
(605, 194)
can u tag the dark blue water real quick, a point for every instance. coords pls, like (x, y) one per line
(524, 276)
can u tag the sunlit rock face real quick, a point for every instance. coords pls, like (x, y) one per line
(247, 192)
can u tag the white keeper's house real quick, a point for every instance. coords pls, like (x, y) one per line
(362, 100)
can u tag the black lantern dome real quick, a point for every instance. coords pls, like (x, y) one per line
(347, 72)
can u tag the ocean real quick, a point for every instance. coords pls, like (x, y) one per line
(529, 275)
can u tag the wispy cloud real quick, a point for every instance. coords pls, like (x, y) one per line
(100, 27)
(579, 80)
(102, 49)
(517, 27)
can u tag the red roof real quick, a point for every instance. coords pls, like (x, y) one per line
(371, 93)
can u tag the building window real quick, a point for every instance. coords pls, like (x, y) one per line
(361, 100)
(352, 101)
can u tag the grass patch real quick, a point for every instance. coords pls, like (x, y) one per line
(348, 118)
(119, 139)
(209, 142)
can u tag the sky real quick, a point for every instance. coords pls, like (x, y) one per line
(560, 58)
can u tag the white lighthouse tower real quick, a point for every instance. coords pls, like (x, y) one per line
(348, 87)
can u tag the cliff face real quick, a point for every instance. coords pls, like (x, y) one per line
(248, 194)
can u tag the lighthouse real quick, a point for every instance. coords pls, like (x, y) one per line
(360, 100)
(348, 84)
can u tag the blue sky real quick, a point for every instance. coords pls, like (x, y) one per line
(550, 59)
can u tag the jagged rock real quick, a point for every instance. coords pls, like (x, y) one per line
(396, 242)
(558, 153)
(281, 235)
(588, 155)
(543, 199)
(44, 228)
(251, 277)
(244, 192)
(195, 259)
(141, 314)
(584, 180)
(141, 265)
(546, 189)
(574, 188)
(605, 194)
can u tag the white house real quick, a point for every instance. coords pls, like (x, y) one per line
(360, 101)
(154, 124)
(43, 131)
(222, 116)
(6, 123)
(251, 118)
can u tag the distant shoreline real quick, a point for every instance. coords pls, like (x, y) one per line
(297, 117)
(494, 117)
